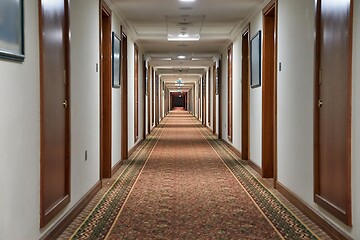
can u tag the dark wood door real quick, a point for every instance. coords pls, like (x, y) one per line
(245, 96)
(105, 92)
(124, 97)
(55, 177)
(230, 93)
(333, 108)
(269, 93)
(214, 98)
(136, 93)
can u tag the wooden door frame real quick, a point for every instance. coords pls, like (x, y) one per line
(144, 97)
(152, 97)
(204, 99)
(149, 99)
(269, 95)
(230, 93)
(157, 80)
(46, 217)
(136, 93)
(124, 96)
(220, 97)
(345, 215)
(209, 97)
(214, 98)
(105, 93)
(245, 95)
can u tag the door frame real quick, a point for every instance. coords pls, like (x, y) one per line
(105, 92)
(230, 93)
(245, 95)
(124, 96)
(345, 215)
(220, 96)
(136, 93)
(47, 216)
(269, 92)
(214, 98)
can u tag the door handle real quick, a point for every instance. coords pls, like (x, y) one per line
(320, 103)
(65, 103)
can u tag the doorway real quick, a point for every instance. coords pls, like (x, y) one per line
(332, 108)
(269, 93)
(124, 96)
(105, 91)
(55, 119)
(245, 96)
(178, 100)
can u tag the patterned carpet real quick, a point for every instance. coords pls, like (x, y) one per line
(184, 184)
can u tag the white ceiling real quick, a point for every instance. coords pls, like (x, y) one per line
(215, 21)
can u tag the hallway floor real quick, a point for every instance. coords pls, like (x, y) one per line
(183, 183)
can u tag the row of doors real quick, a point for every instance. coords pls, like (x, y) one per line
(332, 134)
(332, 121)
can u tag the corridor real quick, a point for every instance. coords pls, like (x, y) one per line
(180, 119)
(184, 184)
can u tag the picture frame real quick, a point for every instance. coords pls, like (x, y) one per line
(12, 30)
(116, 60)
(255, 60)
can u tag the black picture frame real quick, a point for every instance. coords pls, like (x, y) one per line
(255, 60)
(116, 60)
(12, 30)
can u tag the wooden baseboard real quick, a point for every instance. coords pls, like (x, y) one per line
(116, 167)
(66, 220)
(325, 225)
(254, 166)
(232, 148)
(135, 147)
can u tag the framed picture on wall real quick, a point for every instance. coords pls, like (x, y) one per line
(255, 60)
(12, 30)
(116, 63)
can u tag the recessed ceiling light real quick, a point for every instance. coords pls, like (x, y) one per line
(187, 0)
(181, 57)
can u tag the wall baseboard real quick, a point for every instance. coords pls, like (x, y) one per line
(66, 220)
(326, 226)
(254, 166)
(116, 167)
(232, 148)
(135, 147)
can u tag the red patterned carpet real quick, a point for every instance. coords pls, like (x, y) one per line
(185, 191)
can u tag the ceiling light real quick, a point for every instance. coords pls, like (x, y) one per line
(181, 57)
(187, 0)
(183, 37)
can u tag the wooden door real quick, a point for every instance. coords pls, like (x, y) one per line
(245, 97)
(269, 93)
(149, 121)
(54, 82)
(105, 92)
(157, 102)
(124, 96)
(230, 93)
(333, 108)
(136, 93)
(220, 98)
(214, 99)
(204, 100)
